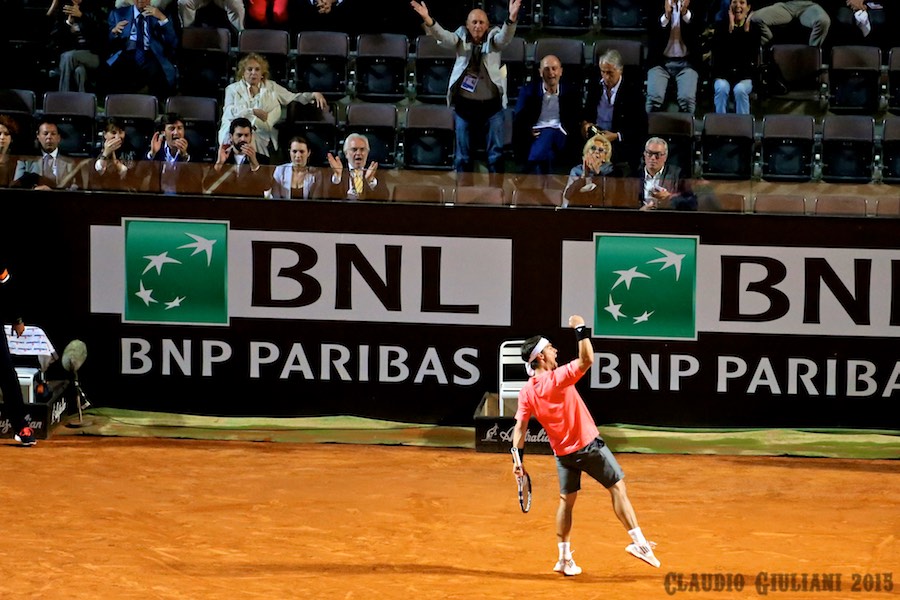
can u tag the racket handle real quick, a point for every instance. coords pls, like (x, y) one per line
(517, 458)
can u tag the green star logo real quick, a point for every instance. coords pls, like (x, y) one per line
(176, 272)
(645, 287)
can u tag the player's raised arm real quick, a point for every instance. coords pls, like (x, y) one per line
(585, 348)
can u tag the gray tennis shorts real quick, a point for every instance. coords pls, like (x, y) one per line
(595, 459)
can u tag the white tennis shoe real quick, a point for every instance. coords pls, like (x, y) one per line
(567, 567)
(645, 553)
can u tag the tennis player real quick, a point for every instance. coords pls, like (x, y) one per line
(550, 396)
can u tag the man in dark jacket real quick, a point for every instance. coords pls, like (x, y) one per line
(615, 109)
(14, 412)
(545, 125)
(661, 184)
(237, 171)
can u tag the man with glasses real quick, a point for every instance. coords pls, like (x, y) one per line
(661, 184)
(615, 109)
(358, 181)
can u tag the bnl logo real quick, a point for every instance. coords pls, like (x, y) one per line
(645, 286)
(176, 272)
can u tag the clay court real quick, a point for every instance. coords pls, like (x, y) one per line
(120, 518)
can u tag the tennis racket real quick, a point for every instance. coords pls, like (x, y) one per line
(523, 482)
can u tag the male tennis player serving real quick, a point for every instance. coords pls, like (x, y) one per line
(550, 396)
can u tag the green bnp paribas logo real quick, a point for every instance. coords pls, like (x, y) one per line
(176, 272)
(645, 287)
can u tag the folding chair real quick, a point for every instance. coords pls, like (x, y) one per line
(848, 148)
(204, 63)
(624, 16)
(800, 69)
(514, 58)
(854, 79)
(678, 131)
(576, 16)
(787, 145)
(381, 66)
(75, 114)
(429, 137)
(378, 122)
(432, 67)
(726, 146)
(323, 59)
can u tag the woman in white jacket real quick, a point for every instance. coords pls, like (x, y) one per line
(255, 97)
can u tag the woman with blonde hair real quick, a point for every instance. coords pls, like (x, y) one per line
(255, 97)
(585, 185)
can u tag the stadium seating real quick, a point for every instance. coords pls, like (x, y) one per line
(381, 67)
(428, 194)
(678, 131)
(432, 68)
(854, 79)
(624, 16)
(787, 145)
(848, 148)
(75, 114)
(840, 205)
(727, 146)
(779, 204)
(273, 45)
(429, 137)
(204, 62)
(323, 59)
(890, 150)
(378, 122)
(575, 16)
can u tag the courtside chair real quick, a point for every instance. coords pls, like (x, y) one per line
(432, 67)
(429, 137)
(380, 68)
(787, 147)
(678, 131)
(137, 114)
(201, 124)
(727, 146)
(848, 148)
(852, 206)
(779, 204)
(854, 79)
(204, 62)
(75, 114)
(890, 150)
(378, 122)
(274, 45)
(323, 63)
(573, 16)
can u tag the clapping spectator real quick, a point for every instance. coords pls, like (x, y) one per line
(170, 156)
(296, 180)
(674, 53)
(142, 41)
(237, 170)
(585, 185)
(358, 181)
(735, 52)
(259, 100)
(116, 162)
(78, 37)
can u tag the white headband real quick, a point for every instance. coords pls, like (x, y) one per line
(543, 343)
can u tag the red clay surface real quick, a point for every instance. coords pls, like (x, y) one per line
(122, 518)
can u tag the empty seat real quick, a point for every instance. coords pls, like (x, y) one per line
(381, 66)
(482, 195)
(854, 79)
(678, 131)
(840, 205)
(204, 63)
(779, 204)
(378, 122)
(890, 150)
(515, 58)
(727, 145)
(431, 194)
(536, 197)
(200, 116)
(799, 67)
(894, 80)
(432, 67)
(721, 202)
(23, 115)
(317, 127)
(323, 59)
(848, 148)
(429, 137)
(137, 114)
(570, 53)
(566, 15)
(75, 114)
(787, 144)
(273, 44)
(625, 16)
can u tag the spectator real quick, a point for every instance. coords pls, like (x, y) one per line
(735, 50)
(545, 122)
(234, 9)
(585, 186)
(237, 170)
(52, 170)
(113, 169)
(807, 12)
(674, 52)
(77, 35)
(859, 23)
(615, 109)
(325, 15)
(296, 180)
(358, 180)
(255, 97)
(477, 90)
(142, 41)
(170, 158)
(8, 130)
(661, 184)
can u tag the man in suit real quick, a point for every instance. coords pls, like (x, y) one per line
(358, 181)
(674, 53)
(237, 171)
(142, 41)
(615, 109)
(171, 163)
(50, 170)
(545, 124)
(661, 184)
